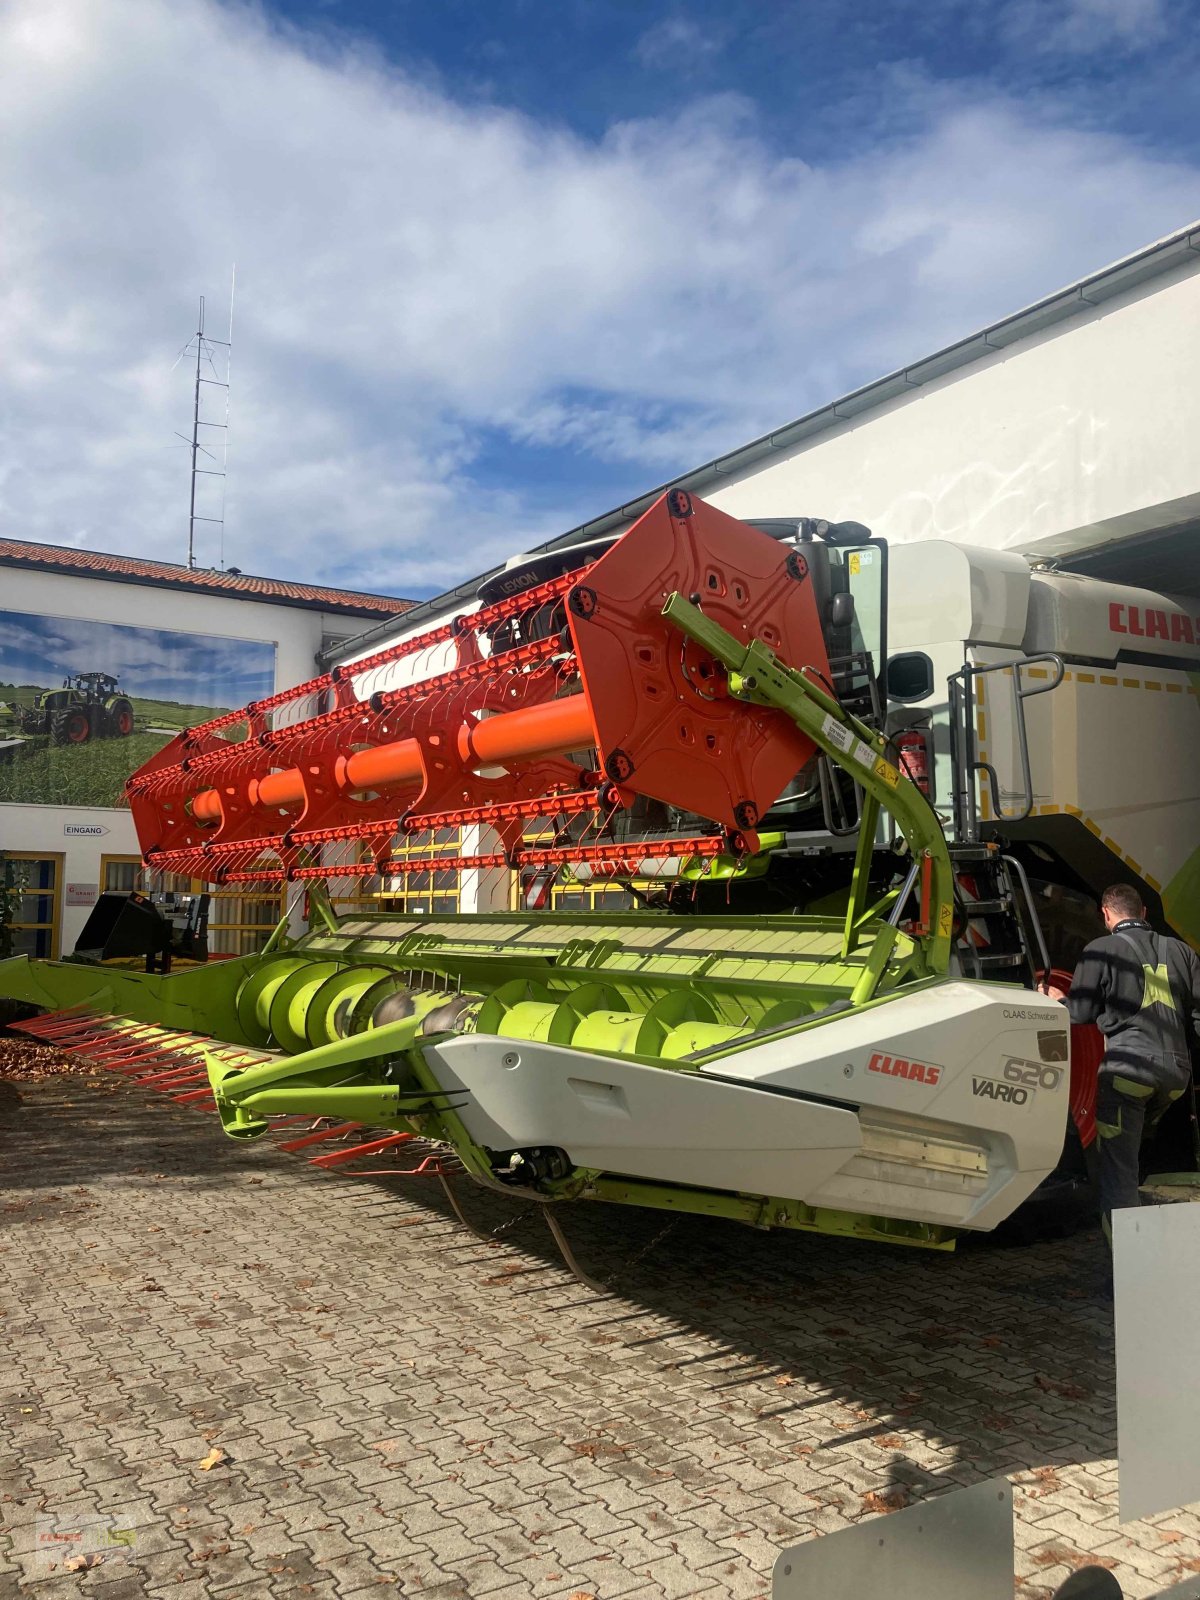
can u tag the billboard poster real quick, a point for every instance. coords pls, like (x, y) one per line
(84, 704)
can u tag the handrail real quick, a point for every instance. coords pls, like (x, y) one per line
(1011, 864)
(961, 686)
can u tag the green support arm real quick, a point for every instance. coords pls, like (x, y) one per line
(245, 1096)
(756, 674)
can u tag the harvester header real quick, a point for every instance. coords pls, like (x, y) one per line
(681, 678)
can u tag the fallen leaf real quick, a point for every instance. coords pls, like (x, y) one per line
(886, 1500)
(890, 1441)
(1048, 1482)
(1061, 1555)
(214, 1458)
(1170, 1535)
(783, 1381)
(1067, 1391)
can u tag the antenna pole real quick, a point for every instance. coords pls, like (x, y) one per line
(228, 391)
(195, 439)
(204, 353)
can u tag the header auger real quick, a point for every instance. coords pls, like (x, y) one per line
(805, 1071)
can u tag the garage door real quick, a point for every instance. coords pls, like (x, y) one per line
(1168, 561)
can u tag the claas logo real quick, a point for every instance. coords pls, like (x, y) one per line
(898, 1067)
(1146, 623)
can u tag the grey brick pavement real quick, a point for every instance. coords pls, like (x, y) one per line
(402, 1405)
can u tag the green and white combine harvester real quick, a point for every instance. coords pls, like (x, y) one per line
(824, 1070)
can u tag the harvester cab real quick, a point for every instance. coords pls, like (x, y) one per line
(823, 1069)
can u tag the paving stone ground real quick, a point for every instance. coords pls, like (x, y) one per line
(402, 1405)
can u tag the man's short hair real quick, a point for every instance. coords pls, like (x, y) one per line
(1124, 899)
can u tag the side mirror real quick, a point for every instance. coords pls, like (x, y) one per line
(841, 610)
(846, 533)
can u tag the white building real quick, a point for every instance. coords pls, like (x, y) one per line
(148, 624)
(1068, 429)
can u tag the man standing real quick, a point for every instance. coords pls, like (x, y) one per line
(1142, 989)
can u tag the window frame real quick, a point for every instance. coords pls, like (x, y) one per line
(58, 859)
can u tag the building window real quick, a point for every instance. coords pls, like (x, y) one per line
(125, 874)
(241, 920)
(429, 892)
(38, 881)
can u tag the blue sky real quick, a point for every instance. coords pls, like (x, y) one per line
(503, 265)
(825, 77)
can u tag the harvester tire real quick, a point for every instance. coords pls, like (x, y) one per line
(73, 726)
(119, 717)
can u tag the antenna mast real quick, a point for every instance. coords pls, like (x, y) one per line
(204, 353)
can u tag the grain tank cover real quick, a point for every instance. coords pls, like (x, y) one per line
(1089, 619)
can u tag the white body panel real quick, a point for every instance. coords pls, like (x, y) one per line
(641, 1121)
(961, 1142)
(939, 591)
(995, 1145)
(1114, 746)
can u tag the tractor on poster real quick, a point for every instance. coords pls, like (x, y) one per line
(88, 705)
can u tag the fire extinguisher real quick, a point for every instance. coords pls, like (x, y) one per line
(912, 751)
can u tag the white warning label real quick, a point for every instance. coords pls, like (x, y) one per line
(838, 734)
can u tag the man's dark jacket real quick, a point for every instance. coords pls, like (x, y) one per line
(1142, 989)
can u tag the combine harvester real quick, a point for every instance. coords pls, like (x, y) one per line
(831, 1070)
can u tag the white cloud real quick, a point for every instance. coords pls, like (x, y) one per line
(1084, 27)
(413, 272)
(678, 43)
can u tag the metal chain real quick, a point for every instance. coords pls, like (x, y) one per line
(494, 1233)
(517, 1216)
(640, 1255)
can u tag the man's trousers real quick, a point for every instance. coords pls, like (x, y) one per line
(1125, 1112)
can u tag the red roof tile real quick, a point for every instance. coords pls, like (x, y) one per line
(196, 580)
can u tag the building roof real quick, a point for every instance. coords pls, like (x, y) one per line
(1165, 255)
(231, 583)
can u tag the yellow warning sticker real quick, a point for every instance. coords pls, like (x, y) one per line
(946, 921)
(884, 769)
(854, 563)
